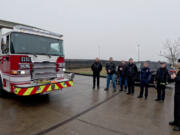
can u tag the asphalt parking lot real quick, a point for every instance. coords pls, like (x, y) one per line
(79, 110)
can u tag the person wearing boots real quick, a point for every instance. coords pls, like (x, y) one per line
(131, 71)
(145, 77)
(122, 75)
(161, 79)
(96, 69)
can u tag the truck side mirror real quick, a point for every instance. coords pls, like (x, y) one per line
(5, 45)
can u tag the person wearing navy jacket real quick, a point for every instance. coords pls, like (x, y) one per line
(145, 77)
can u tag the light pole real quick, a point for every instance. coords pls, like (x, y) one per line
(138, 46)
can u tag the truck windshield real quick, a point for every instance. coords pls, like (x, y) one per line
(22, 43)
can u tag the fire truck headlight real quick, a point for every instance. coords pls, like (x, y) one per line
(64, 69)
(24, 66)
(22, 72)
(14, 72)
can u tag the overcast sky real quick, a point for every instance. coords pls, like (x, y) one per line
(116, 26)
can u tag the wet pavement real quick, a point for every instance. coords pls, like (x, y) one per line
(79, 110)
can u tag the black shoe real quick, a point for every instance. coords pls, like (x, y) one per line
(176, 128)
(128, 93)
(121, 90)
(106, 89)
(157, 99)
(139, 97)
(172, 123)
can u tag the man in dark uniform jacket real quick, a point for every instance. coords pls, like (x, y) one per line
(131, 71)
(111, 74)
(122, 75)
(176, 121)
(145, 77)
(96, 68)
(162, 79)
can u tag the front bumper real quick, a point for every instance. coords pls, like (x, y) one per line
(27, 90)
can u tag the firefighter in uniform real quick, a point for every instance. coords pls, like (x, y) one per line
(111, 74)
(162, 79)
(96, 68)
(176, 121)
(145, 77)
(131, 71)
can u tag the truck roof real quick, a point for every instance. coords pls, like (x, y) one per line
(26, 28)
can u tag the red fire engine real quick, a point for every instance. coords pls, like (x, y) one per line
(31, 60)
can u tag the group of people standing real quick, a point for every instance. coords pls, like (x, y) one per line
(128, 74)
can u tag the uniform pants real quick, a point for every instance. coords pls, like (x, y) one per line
(161, 91)
(143, 85)
(177, 110)
(130, 86)
(96, 77)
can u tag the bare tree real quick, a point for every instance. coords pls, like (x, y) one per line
(171, 51)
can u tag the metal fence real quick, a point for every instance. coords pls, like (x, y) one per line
(85, 63)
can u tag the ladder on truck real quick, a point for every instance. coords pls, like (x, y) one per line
(23, 27)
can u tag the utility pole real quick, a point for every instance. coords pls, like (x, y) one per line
(138, 46)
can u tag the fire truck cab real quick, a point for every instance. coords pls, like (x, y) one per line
(31, 60)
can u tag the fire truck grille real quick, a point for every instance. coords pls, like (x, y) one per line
(43, 71)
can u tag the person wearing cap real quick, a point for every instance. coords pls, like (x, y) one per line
(122, 75)
(176, 78)
(145, 77)
(131, 72)
(111, 74)
(161, 79)
(96, 69)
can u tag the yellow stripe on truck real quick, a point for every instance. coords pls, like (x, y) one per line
(17, 90)
(56, 87)
(40, 89)
(28, 91)
(64, 85)
(71, 83)
(49, 89)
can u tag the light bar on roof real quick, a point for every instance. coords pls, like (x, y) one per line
(38, 30)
